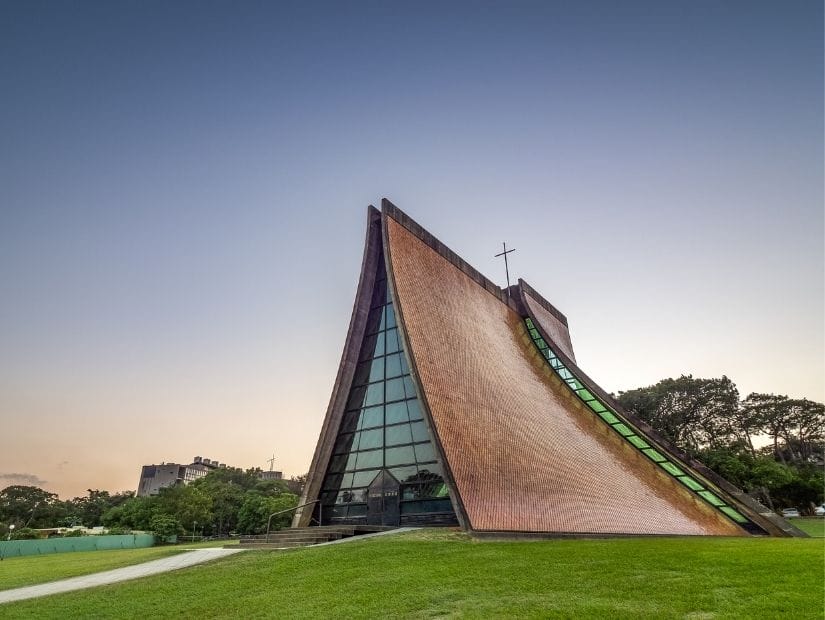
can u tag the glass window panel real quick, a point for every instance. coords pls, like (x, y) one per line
(383, 325)
(346, 481)
(415, 410)
(343, 444)
(373, 321)
(399, 456)
(541, 344)
(377, 369)
(733, 514)
(372, 416)
(364, 478)
(638, 441)
(398, 434)
(405, 474)
(711, 498)
(690, 483)
(333, 481)
(392, 341)
(424, 452)
(564, 373)
(390, 316)
(596, 406)
(396, 412)
(337, 463)
(608, 417)
(430, 505)
(356, 397)
(419, 431)
(534, 334)
(671, 468)
(375, 394)
(351, 461)
(529, 322)
(655, 455)
(339, 511)
(585, 395)
(379, 297)
(362, 373)
(370, 459)
(429, 471)
(395, 389)
(371, 439)
(368, 348)
(357, 510)
(409, 387)
(623, 429)
(328, 497)
(351, 495)
(574, 383)
(405, 370)
(556, 363)
(394, 368)
(379, 345)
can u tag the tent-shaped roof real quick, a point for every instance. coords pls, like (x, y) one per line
(523, 440)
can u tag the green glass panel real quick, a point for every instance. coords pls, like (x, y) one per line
(370, 459)
(734, 514)
(372, 416)
(585, 395)
(638, 441)
(608, 417)
(534, 333)
(397, 412)
(395, 390)
(398, 434)
(690, 483)
(711, 498)
(596, 406)
(424, 452)
(419, 431)
(371, 439)
(399, 456)
(409, 387)
(575, 384)
(655, 455)
(541, 344)
(671, 468)
(529, 322)
(395, 367)
(623, 430)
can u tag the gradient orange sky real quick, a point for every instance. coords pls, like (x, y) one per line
(183, 190)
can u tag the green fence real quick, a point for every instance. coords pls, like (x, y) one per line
(14, 548)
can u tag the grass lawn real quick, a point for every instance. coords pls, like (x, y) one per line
(812, 526)
(428, 573)
(31, 569)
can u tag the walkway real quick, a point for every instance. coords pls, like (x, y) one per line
(180, 560)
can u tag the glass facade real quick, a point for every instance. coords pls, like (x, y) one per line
(612, 419)
(383, 429)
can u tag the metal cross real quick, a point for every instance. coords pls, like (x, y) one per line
(506, 268)
(271, 462)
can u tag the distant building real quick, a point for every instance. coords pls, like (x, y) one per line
(271, 475)
(155, 477)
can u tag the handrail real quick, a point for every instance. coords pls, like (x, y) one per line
(280, 512)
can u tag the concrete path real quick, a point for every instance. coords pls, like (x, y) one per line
(179, 560)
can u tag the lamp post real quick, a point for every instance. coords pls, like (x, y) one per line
(11, 531)
(194, 525)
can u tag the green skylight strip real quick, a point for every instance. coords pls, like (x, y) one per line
(598, 407)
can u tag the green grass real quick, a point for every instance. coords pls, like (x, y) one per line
(812, 526)
(427, 574)
(33, 569)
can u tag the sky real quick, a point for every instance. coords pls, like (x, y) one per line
(183, 192)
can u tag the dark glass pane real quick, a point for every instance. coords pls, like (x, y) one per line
(356, 397)
(429, 471)
(392, 341)
(338, 511)
(431, 505)
(399, 456)
(371, 439)
(375, 394)
(405, 474)
(395, 390)
(424, 452)
(372, 416)
(337, 463)
(357, 510)
(379, 297)
(396, 412)
(362, 373)
(394, 366)
(379, 345)
(415, 410)
(419, 431)
(370, 459)
(328, 497)
(368, 348)
(363, 478)
(343, 444)
(333, 481)
(398, 434)
(350, 496)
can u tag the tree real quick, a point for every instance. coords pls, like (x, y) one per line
(256, 510)
(26, 506)
(164, 526)
(691, 413)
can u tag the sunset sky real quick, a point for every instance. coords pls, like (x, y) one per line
(183, 189)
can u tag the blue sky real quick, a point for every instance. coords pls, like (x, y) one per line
(183, 191)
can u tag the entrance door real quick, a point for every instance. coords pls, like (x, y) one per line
(382, 500)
